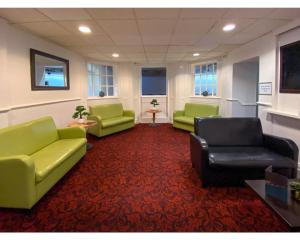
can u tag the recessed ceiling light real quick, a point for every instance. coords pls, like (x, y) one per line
(84, 29)
(196, 54)
(115, 55)
(229, 27)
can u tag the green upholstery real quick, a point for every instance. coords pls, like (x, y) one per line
(185, 119)
(33, 157)
(110, 118)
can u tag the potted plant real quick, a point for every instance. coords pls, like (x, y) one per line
(79, 113)
(154, 102)
(295, 190)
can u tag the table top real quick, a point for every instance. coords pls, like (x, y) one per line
(153, 111)
(86, 124)
(289, 212)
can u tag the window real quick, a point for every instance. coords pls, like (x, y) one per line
(205, 79)
(101, 80)
(154, 81)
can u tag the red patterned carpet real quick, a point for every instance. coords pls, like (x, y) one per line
(141, 180)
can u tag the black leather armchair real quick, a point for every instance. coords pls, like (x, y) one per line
(226, 151)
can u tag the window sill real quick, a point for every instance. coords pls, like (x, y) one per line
(211, 97)
(102, 98)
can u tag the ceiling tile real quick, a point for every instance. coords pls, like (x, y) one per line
(136, 55)
(156, 40)
(98, 40)
(84, 49)
(241, 24)
(156, 49)
(202, 12)
(119, 27)
(247, 12)
(175, 55)
(286, 13)
(264, 26)
(44, 29)
(241, 38)
(156, 55)
(156, 27)
(65, 13)
(180, 49)
(156, 13)
(225, 47)
(125, 39)
(70, 40)
(185, 39)
(72, 26)
(193, 26)
(111, 13)
(97, 56)
(107, 49)
(131, 49)
(22, 15)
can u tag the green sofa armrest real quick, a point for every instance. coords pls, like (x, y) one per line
(98, 119)
(178, 113)
(17, 181)
(129, 113)
(71, 132)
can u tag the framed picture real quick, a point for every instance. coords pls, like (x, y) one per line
(265, 88)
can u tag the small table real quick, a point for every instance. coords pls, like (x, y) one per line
(86, 125)
(289, 212)
(153, 111)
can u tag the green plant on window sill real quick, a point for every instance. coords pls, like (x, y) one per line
(79, 113)
(154, 102)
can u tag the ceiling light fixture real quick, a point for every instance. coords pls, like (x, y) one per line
(229, 27)
(196, 54)
(115, 55)
(84, 29)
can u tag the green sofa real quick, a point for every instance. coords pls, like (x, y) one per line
(33, 157)
(185, 119)
(110, 118)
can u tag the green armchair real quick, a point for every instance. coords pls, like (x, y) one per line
(185, 119)
(33, 157)
(110, 118)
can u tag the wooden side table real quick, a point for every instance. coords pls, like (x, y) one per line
(86, 125)
(153, 111)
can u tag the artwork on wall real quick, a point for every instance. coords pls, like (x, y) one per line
(265, 88)
(290, 68)
(48, 72)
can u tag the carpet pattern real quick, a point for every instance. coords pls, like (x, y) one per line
(141, 180)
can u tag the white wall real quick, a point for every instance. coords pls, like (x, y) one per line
(266, 49)
(17, 102)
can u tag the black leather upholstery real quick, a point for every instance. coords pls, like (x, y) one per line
(226, 151)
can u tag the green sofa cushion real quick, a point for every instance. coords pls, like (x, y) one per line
(185, 119)
(116, 121)
(106, 111)
(200, 110)
(50, 157)
(27, 138)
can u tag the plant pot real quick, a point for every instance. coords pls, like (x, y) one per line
(81, 120)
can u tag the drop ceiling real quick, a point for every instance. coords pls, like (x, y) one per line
(146, 35)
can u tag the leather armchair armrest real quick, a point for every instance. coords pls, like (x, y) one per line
(129, 113)
(71, 132)
(283, 146)
(199, 153)
(17, 181)
(178, 113)
(97, 119)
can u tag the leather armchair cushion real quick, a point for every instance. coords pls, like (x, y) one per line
(116, 121)
(200, 110)
(107, 111)
(50, 157)
(247, 157)
(185, 119)
(27, 138)
(230, 131)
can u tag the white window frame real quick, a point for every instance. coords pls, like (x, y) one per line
(115, 84)
(217, 75)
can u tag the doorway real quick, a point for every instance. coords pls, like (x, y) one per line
(244, 88)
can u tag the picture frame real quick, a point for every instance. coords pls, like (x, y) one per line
(265, 88)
